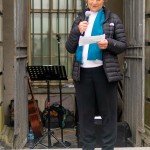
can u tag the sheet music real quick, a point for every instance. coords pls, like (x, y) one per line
(83, 40)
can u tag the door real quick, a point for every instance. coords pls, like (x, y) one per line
(134, 14)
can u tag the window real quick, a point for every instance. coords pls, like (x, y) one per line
(49, 20)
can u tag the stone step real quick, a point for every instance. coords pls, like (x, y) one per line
(125, 148)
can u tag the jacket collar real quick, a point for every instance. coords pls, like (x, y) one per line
(107, 13)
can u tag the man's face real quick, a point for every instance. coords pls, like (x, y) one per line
(95, 5)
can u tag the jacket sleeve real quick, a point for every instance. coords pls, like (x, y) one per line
(73, 38)
(117, 44)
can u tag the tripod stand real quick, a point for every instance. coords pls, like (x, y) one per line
(47, 73)
(60, 91)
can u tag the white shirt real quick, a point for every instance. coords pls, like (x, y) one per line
(89, 63)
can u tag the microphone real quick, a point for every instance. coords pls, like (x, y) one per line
(87, 14)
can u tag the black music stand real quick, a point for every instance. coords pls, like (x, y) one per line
(49, 72)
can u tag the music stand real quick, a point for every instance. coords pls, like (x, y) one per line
(48, 72)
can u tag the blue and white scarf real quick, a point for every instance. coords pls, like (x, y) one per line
(94, 52)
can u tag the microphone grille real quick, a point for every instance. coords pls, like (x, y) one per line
(87, 13)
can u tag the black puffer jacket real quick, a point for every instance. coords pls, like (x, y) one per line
(114, 33)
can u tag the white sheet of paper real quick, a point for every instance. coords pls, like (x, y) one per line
(83, 40)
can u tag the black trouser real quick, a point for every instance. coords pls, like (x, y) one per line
(93, 91)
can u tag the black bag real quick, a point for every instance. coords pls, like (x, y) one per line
(60, 117)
